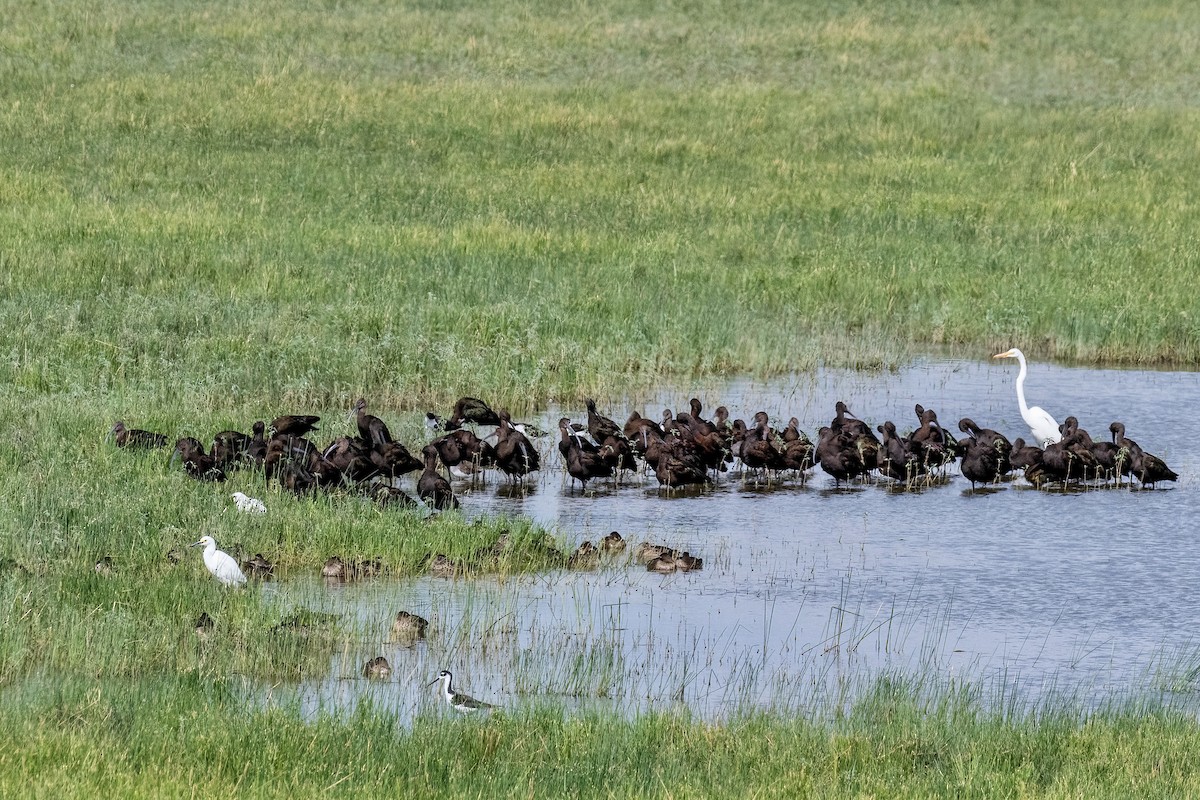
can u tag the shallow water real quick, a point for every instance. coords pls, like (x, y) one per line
(808, 592)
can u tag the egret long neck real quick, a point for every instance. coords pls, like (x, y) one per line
(1021, 386)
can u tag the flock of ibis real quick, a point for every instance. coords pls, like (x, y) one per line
(680, 449)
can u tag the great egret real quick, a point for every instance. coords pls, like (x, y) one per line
(220, 563)
(457, 700)
(1043, 426)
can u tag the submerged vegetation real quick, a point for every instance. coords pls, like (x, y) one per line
(217, 212)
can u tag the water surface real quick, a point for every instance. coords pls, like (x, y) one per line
(808, 592)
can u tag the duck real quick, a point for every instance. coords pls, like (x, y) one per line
(408, 626)
(586, 556)
(613, 543)
(647, 552)
(377, 668)
(258, 567)
(337, 569)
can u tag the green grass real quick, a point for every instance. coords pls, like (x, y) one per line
(217, 212)
(303, 201)
(199, 740)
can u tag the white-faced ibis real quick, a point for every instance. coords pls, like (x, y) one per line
(354, 458)
(840, 457)
(980, 461)
(196, 463)
(993, 439)
(582, 465)
(1147, 468)
(473, 410)
(898, 460)
(600, 426)
(134, 437)
(1024, 456)
(293, 425)
(371, 428)
(679, 467)
(229, 448)
(1043, 426)
(516, 456)
(432, 487)
(256, 451)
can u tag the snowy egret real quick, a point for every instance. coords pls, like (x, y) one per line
(219, 563)
(1043, 426)
(457, 700)
(248, 505)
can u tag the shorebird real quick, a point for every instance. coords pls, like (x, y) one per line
(457, 700)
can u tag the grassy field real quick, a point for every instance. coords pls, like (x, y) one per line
(302, 200)
(73, 740)
(217, 212)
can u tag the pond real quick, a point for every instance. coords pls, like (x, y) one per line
(808, 592)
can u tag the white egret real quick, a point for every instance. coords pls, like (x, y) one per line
(457, 700)
(247, 504)
(1043, 426)
(220, 563)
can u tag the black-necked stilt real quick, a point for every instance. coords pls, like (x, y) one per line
(457, 700)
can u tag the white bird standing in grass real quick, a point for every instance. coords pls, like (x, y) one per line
(1043, 426)
(220, 563)
(248, 505)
